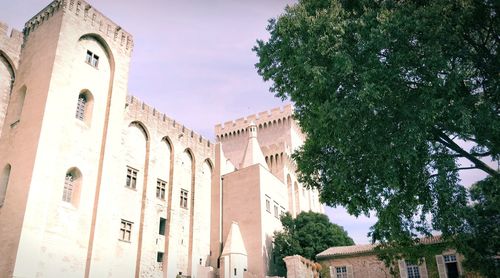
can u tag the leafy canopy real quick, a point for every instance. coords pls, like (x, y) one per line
(384, 90)
(307, 235)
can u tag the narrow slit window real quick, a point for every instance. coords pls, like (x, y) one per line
(163, 223)
(184, 199)
(159, 257)
(68, 188)
(80, 107)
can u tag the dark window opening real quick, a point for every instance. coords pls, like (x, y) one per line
(159, 257)
(163, 223)
(92, 59)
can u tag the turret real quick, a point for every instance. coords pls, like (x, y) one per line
(253, 154)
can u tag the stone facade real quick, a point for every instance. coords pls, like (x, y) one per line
(95, 183)
(437, 260)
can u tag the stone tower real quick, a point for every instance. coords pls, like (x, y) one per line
(64, 113)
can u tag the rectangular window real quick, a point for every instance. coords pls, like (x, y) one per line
(125, 230)
(184, 198)
(88, 57)
(160, 189)
(131, 178)
(159, 257)
(163, 223)
(413, 271)
(268, 204)
(276, 210)
(449, 258)
(451, 264)
(282, 210)
(92, 59)
(341, 272)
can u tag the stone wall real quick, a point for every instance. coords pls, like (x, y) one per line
(300, 267)
(10, 51)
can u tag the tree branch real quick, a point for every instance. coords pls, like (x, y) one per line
(474, 154)
(445, 140)
(456, 169)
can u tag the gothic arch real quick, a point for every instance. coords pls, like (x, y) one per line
(102, 42)
(9, 63)
(209, 163)
(141, 127)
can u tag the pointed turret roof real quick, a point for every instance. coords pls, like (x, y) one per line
(253, 154)
(234, 242)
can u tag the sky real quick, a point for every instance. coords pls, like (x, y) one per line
(193, 60)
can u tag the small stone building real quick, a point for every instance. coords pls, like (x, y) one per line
(361, 261)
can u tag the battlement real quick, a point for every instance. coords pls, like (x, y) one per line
(136, 104)
(262, 120)
(279, 152)
(14, 38)
(95, 19)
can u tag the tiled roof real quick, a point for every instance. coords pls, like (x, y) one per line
(365, 248)
(346, 250)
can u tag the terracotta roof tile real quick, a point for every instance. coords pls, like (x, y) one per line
(365, 248)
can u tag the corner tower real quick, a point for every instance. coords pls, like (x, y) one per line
(63, 119)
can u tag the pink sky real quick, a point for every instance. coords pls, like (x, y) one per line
(192, 60)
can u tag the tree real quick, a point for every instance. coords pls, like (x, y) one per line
(391, 94)
(480, 239)
(307, 235)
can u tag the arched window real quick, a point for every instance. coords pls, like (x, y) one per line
(80, 107)
(68, 187)
(71, 189)
(4, 182)
(83, 110)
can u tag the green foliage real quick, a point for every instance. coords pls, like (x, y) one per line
(480, 239)
(390, 253)
(307, 235)
(383, 90)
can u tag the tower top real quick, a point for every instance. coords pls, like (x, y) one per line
(95, 20)
(252, 130)
(253, 153)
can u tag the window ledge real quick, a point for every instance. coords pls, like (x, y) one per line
(82, 124)
(97, 68)
(68, 206)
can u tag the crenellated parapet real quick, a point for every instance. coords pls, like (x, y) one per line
(263, 120)
(153, 118)
(42, 16)
(87, 14)
(10, 44)
(279, 154)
